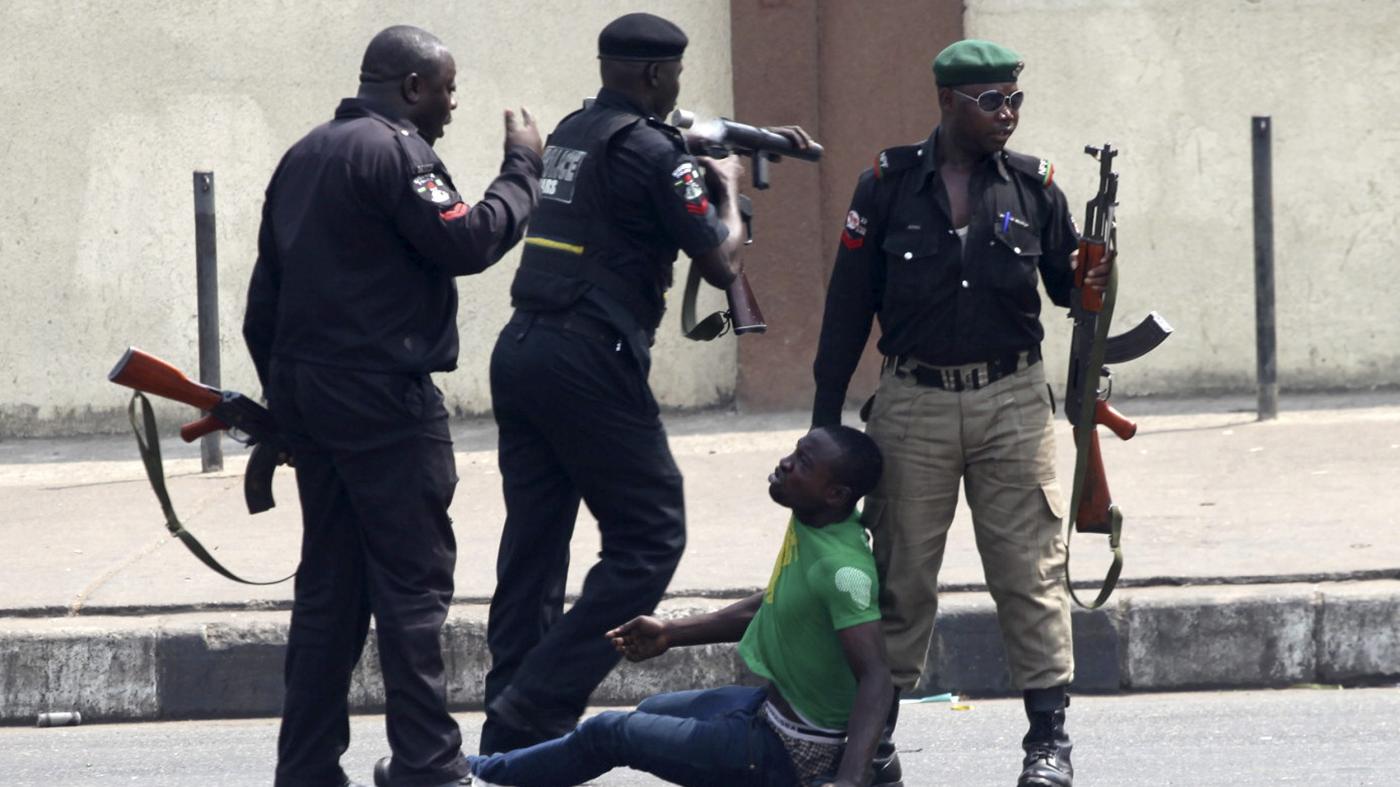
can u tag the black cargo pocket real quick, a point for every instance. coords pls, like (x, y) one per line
(1015, 250)
(910, 260)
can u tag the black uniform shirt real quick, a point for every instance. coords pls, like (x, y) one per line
(942, 299)
(362, 234)
(659, 202)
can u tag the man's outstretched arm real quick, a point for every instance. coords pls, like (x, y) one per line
(864, 646)
(647, 637)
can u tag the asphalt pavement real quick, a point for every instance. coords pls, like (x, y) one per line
(1314, 738)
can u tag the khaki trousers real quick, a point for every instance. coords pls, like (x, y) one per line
(999, 441)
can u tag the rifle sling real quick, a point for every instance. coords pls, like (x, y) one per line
(148, 443)
(707, 328)
(1110, 581)
(1083, 435)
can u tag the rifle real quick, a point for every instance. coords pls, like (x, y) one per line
(1090, 383)
(762, 146)
(225, 410)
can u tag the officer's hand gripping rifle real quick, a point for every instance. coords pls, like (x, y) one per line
(762, 146)
(1090, 383)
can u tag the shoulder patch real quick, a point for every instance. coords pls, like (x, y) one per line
(689, 186)
(897, 159)
(853, 233)
(431, 188)
(1038, 168)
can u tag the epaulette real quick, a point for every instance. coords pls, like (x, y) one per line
(897, 159)
(1038, 168)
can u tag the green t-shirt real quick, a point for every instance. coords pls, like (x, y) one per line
(824, 581)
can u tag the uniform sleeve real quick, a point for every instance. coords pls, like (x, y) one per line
(1058, 240)
(848, 590)
(260, 315)
(852, 297)
(677, 187)
(460, 238)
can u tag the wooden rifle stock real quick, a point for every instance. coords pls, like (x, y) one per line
(1095, 502)
(146, 373)
(744, 313)
(223, 410)
(149, 374)
(1094, 515)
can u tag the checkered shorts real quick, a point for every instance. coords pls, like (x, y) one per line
(814, 752)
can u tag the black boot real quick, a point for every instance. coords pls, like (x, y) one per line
(888, 772)
(1048, 747)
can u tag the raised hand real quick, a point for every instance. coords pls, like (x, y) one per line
(523, 131)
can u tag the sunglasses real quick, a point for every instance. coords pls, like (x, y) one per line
(993, 100)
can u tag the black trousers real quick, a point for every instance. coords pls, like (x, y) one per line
(375, 474)
(577, 422)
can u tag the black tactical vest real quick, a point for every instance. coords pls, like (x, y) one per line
(573, 247)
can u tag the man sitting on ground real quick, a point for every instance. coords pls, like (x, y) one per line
(814, 634)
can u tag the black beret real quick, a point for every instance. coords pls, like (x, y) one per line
(641, 37)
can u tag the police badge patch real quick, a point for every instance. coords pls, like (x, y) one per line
(690, 188)
(561, 171)
(430, 188)
(853, 234)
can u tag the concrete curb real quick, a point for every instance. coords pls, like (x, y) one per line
(201, 665)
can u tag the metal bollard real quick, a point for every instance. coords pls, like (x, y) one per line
(207, 288)
(1265, 339)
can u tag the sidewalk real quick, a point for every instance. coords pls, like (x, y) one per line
(101, 611)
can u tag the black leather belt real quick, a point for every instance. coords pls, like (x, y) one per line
(964, 377)
(573, 322)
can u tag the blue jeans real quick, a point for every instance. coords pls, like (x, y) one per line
(693, 738)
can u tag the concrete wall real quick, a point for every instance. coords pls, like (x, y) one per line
(1174, 84)
(110, 106)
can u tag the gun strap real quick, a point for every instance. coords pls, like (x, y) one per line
(1110, 581)
(713, 326)
(148, 443)
(1083, 435)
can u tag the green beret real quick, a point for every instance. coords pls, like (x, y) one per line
(973, 62)
(643, 37)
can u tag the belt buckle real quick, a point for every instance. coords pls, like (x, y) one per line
(951, 379)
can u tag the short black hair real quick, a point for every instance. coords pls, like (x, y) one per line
(395, 52)
(860, 464)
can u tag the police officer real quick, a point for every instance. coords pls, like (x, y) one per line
(943, 243)
(620, 196)
(352, 305)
